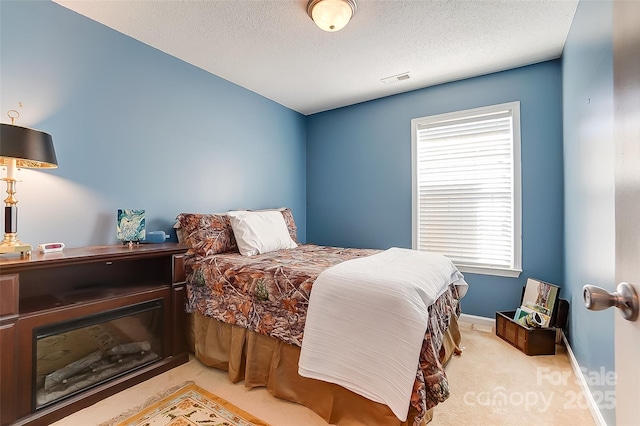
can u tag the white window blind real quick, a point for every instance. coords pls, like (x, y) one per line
(466, 188)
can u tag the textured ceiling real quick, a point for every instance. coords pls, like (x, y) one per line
(273, 48)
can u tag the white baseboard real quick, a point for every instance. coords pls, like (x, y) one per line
(593, 405)
(474, 319)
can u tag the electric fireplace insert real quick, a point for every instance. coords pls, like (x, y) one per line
(72, 356)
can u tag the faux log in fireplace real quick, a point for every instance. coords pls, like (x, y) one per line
(78, 326)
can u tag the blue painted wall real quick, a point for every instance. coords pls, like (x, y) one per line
(359, 173)
(136, 128)
(587, 77)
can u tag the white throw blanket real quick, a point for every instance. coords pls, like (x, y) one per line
(367, 319)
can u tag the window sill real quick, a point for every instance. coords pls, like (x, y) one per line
(499, 272)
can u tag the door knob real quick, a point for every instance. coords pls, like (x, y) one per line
(624, 298)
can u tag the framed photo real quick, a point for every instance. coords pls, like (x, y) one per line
(529, 317)
(130, 226)
(541, 297)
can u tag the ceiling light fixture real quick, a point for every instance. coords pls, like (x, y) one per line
(331, 15)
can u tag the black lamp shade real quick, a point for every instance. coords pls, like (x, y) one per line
(31, 148)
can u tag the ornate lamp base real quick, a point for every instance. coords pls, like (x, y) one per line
(11, 244)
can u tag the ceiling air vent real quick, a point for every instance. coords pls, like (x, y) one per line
(396, 78)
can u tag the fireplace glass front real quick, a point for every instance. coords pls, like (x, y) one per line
(76, 355)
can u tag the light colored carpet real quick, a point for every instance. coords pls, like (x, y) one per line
(491, 383)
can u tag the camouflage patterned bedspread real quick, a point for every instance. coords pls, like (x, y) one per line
(269, 294)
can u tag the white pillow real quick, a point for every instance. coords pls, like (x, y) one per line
(260, 232)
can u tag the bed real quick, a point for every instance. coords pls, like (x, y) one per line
(248, 315)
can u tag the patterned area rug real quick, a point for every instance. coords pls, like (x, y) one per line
(188, 405)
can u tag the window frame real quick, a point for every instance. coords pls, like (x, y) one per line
(516, 262)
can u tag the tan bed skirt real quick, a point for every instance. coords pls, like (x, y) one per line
(261, 360)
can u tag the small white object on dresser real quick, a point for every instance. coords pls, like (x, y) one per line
(50, 247)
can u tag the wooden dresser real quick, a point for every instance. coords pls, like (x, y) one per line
(53, 288)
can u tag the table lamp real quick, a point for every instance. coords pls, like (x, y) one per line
(20, 147)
